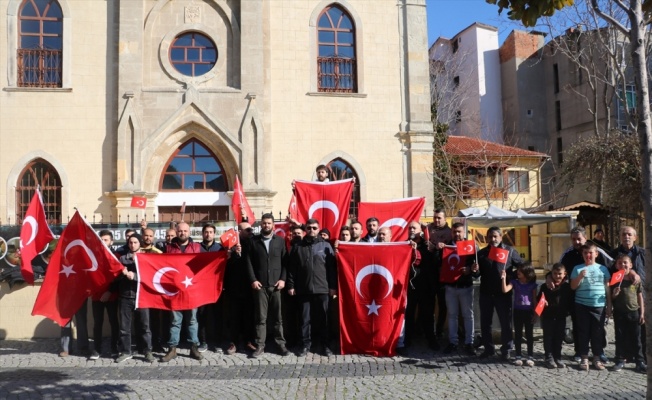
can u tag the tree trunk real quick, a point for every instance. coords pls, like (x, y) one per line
(644, 130)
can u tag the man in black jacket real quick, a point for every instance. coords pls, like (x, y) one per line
(492, 296)
(265, 260)
(312, 277)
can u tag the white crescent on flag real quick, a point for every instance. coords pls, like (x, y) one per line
(324, 204)
(89, 253)
(394, 222)
(156, 281)
(32, 222)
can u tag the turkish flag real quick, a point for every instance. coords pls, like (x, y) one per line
(465, 247)
(292, 208)
(35, 234)
(395, 214)
(282, 229)
(541, 304)
(138, 202)
(617, 277)
(239, 204)
(179, 281)
(498, 255)
(452, 266)
(80, 266)
(372, 296)
(327, 202)
(229, 238)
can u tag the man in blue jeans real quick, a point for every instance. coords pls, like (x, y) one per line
(183, 244)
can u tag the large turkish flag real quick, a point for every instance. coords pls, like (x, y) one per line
(395, 214)
(80, 266)
(327, 202)
(372, 292)
(240, 205)
(35, 234)
(179, 281)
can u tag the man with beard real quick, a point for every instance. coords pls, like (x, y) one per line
(440, 234)
(356, 231)
(312, 277)
(237, 292)
(265, 260)
(208, 313)
(372, 231)
(183, 244)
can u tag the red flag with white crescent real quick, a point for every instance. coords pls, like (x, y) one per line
(465, 247)
(395, 214)
(372, 279)
(283, 229)
(229, 238)
(80, 266)
(292, 208)
(498, 255)
(617, 277)
(138, 202)
(35, 234)
(540, 305)
(327, 202)
(240, 205)
(179, 281)
(452, 266)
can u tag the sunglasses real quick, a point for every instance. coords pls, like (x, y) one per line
(314, 228)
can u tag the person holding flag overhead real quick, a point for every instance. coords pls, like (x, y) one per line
(492, 261)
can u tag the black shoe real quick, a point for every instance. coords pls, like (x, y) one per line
(450, 348)
(258, 352)
(434, 345)
(470, 350)
(303, 352)
(506, 356)
(402, 351)
(486, 354)
(641, 367)
(327, 351)
(282, 350)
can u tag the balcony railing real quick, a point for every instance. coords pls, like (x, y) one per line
(336, 74)
(39, 68)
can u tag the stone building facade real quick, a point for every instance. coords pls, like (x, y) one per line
(171, 100)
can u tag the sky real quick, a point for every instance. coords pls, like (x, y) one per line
(448, 17)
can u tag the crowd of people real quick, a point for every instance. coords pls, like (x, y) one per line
(293, 288)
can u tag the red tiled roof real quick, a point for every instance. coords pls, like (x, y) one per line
(466, 146)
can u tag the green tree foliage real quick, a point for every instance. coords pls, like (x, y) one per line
(442, 174)
(617, 157)
(529, 11)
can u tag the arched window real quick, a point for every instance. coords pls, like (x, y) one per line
(40, 44)
(336, 59)
(193, 167)
(39, 173)
(339, 169)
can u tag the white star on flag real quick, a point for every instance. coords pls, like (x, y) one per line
(187, 281)
(373, 307)
(67, 269)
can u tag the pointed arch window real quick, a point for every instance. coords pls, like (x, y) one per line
(339, 169)
(40, 44)
(39, 173)
(336, 60)
(193, 167)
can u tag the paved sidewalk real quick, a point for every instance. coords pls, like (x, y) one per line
(32, 369)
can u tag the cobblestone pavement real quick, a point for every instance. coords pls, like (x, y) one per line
(32, 369)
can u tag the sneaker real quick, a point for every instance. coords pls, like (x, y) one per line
(194, 353)
(597, 364)
(124, 357)
(149, 357)
(618, 367)
(518, 362)
(506, 356)
(327, 351)
(258, 352)
(641, 367)
(577, 358)
(231, 350)
(283, 351)
(64, 354)
(550, 364)
(202, 347)
(251, 346)
(450, 348)
(604, 358)
(469, 349)
(486, 354)
(94, 355)
(560, 364)
(529, 362)
(584, 364)
(303, 352)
